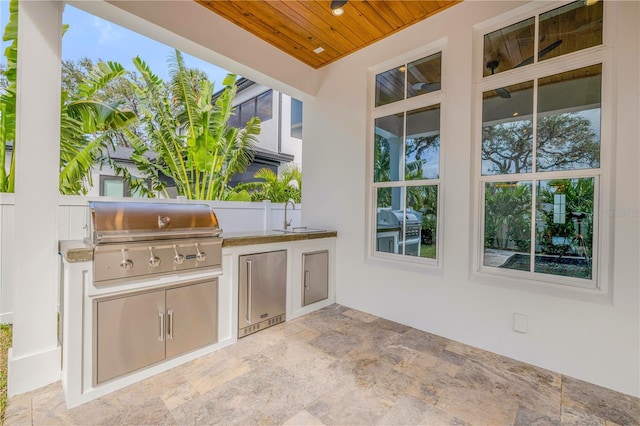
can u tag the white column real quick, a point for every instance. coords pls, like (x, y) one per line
(34, 359)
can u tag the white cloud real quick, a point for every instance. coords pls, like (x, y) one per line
(108, 32)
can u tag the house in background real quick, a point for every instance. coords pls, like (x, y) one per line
(279, 141)
(107, 183)
(280, 138)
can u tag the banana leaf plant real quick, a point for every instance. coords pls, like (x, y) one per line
(278, 189)
(85, 123)
(87, 126)
(8, 100)
(194, 144)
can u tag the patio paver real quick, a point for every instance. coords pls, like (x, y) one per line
(341, 366)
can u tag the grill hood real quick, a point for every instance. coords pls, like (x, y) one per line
(114, 222)
(394, 218)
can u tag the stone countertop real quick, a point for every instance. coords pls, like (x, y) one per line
(235, 239)
(79, 251)
(75, 251)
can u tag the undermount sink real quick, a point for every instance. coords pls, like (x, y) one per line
(300, 230)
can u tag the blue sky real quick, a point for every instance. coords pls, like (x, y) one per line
(96, 38)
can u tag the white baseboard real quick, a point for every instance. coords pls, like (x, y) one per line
(33, 371)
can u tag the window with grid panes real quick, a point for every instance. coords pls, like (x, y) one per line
(540, 154)
(406, 174)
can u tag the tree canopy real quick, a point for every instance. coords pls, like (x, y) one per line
(564, 142)
(194, 143)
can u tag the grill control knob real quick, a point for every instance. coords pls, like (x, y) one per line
(126, 264)
(200, 256)
(178, 259)
(154, 261)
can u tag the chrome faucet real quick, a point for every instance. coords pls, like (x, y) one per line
(287, 223)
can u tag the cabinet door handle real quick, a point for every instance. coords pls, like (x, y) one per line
(307, 277)
(161, 316)
(170, 326)
(249, 289)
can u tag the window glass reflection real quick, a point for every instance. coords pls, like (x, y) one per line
(390, 86)
(569, 120)
(264, 106)
(296, 118)
(234, 119)
(507, 129)
(507, 225)
(247, 111)
(564, 227)
(509, 47)
(424, 75)
(389, 220)
(422, 147)
(421, 221)
(570, 28)
(387, 156)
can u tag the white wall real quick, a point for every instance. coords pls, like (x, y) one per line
(597, 341)
(288, 144)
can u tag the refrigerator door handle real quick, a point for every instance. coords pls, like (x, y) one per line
(249, 290)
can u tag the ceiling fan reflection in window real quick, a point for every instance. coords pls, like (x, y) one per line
(492, 65)
(426, 87)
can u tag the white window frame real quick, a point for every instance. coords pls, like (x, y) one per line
(571, 287)
(405, 106)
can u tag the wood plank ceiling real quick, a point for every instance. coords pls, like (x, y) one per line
(298, 27)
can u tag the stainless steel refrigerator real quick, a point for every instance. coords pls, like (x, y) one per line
(262, 291)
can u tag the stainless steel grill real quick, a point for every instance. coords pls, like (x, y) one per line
(172, 254)
(134, 240)
(390, 235)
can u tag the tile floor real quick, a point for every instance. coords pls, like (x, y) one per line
(339, 366)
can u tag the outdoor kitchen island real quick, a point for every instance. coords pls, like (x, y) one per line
(79, 295)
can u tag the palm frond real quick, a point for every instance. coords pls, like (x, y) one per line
(99, 116)
(77, 167)
(184, 88)
(162, 125)
(101, 74)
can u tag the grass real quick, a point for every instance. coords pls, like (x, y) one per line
(428, 251)
(5, 344)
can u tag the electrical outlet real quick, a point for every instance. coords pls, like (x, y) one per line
(520, 323)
